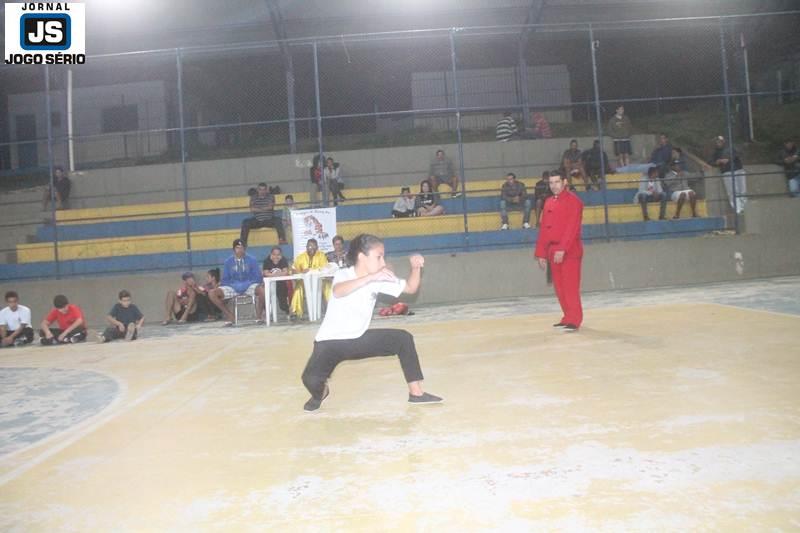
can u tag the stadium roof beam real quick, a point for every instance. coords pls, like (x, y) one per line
(279, 28)
(534, 15)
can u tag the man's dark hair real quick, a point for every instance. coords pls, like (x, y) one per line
(677, 149)
(288, 196)
(252, 191)
(214, 273)
(652, 170)
(12, 294)
(573, 141)
(237, 242)
(275, 248)
(262, 184)
(506, 113)
(439, 151)
(405, 189)
(60, 301)
(546, 175)
(338, 238)
(512, 175)
(312, 240)
(57, 168)
(124, 294)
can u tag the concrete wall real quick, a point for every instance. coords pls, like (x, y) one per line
(361, 168)
(772, 248)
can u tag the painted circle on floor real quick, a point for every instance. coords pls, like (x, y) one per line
(38, 402)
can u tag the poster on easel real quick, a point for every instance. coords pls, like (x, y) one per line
(316, 223)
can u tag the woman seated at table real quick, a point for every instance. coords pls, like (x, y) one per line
(276, 265)
(311, 259)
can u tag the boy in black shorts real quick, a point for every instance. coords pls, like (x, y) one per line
(125, 320)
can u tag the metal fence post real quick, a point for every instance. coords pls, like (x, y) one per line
(319, 127)
(593, 47)
(456, 101)
(726, 91)
(49, 121)
(181, 125)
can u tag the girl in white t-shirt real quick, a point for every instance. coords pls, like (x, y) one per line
(344, 332)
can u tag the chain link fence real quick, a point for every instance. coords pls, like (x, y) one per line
(178, 137)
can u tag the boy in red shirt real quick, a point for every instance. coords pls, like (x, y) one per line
(71, 324)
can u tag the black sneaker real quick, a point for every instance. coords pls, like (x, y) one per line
(313, 404)
(455, 195)
(570, 328)
(559, 325)
(425, 398)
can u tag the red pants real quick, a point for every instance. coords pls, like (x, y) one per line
(567, 282)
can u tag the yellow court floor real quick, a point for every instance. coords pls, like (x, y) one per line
(668, 417)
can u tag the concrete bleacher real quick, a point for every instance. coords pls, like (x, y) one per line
(120, 234)
(152, 236)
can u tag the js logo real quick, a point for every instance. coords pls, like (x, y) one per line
(49, 33)
(45, 31)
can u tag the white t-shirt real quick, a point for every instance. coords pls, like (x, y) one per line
(349, 317)
(12, 319)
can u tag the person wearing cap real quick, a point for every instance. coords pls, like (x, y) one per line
(677, 185)
(730, 170)
(241, 274)
(181, 305)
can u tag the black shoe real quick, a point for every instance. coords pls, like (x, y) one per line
(455, 195)
(570, 328)
(559, 325)
(313, 404)
(425, 398)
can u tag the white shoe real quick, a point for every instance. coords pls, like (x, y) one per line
(526, 226)
(504, 227)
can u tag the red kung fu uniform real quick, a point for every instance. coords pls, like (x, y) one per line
(560, 230)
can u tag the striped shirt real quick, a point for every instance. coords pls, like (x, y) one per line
(505, 129)
(266, 203)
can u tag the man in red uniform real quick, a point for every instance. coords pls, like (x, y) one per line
(559, 243)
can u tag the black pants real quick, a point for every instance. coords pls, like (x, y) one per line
(77, 335)
(373, 343)
(403, 214)
(112, 333)
(336, 190)
(282, 290)
(26, 337)
(254, 223)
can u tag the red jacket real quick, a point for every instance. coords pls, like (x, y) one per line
(560, 227)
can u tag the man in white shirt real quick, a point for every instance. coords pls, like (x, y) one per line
(15, 322)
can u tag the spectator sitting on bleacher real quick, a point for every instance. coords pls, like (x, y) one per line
(333, 177)
(541, 192)
(311, 259)
(651, 189)
(721, 159)
(676, 184)
(514, 196)
(443, 171)
(286, 212)
(541, 127)
(15, 322)
(620, 128)
(506, 128)
(404, 205)
(71, 324)
(125, 320)
(181, 305)
(276, 265)
(790, 161)
(428, 201)
(592, 164)
(262, 206)
(338, 256)
(572, 164)
(662, 155)
(62, 185)
(241, 276)
(677, 154)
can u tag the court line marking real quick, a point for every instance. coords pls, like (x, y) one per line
(79, 434)
(767, 311)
